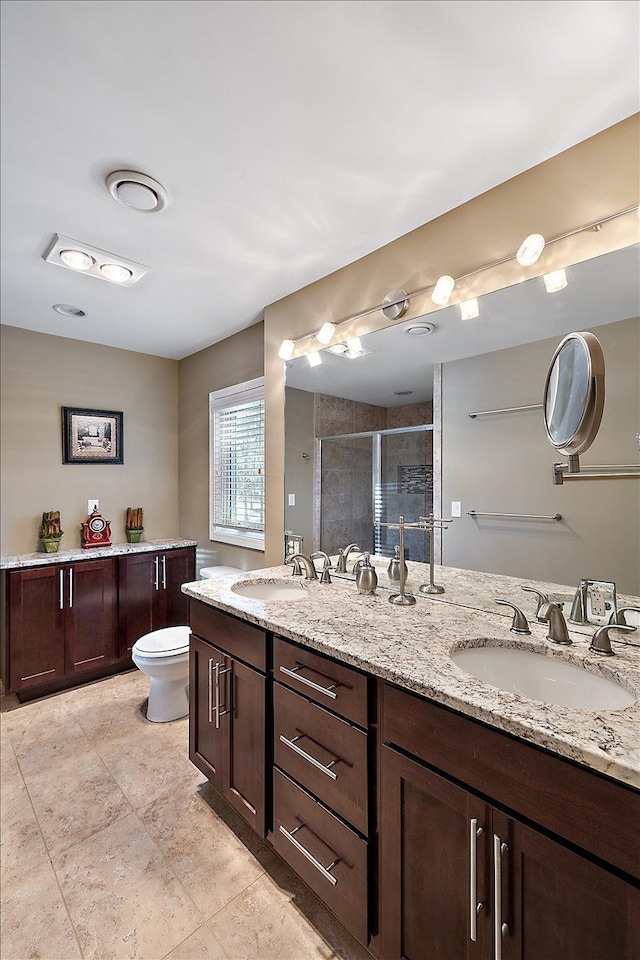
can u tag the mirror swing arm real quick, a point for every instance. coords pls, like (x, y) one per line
(573, 406)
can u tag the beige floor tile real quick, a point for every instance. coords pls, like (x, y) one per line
(9, 769)
(124, 900)
(212, 863)
(21, 843)
(201, 945)
(75, 800)
(35, 923)
(43, 743)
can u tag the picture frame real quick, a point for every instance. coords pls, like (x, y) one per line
(92, 436)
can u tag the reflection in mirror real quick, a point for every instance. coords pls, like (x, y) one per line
(574, 394)
(499, 464)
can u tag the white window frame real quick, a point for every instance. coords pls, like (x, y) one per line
(219, 400)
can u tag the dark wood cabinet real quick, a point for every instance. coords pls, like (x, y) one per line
(463, 879)
(227, 712)
(149, 588)
(63, 621)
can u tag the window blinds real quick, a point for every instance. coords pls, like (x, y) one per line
(238, 465)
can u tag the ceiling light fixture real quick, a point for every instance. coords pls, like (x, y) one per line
(76, 259)
(338, 348)
(530, 250)
(314, 359)
(443, 290)
(67, 310)
(469, 309)
(555, 281)
(287, 349)
(137, 191)
(325, 333)
(354, 346)
(395, 304)
(419, 328)
(93, 262)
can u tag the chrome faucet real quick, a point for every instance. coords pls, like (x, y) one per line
(343, 556)
(621, 619)
(542, 598)
(601, 642)
(553, 615)
(299, 560)
(326, 567)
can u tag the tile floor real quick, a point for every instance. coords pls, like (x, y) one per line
(114, 846)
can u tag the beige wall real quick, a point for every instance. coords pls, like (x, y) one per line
(590, 181)
(224, 364)
(503, 464)
(40, 375)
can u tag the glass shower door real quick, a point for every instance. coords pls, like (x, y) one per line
(404, 487)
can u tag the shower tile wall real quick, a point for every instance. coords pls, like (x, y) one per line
(406, 489)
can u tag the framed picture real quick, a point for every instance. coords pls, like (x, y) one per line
(92, 436)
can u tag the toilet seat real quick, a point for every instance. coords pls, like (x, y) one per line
(168, 642)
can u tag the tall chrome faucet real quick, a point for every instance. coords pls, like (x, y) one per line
(343, 556)
(552, 614)
(300, 562)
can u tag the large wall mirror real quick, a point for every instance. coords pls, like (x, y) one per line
(360, 443)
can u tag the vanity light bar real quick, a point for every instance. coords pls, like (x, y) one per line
(84, 258)
(442, 290)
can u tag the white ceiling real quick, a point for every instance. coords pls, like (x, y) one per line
(293, 137)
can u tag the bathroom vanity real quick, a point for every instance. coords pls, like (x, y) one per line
(74, 616)
(435, 815)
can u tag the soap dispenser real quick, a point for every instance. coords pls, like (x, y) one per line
(393, 570)
(366, 578)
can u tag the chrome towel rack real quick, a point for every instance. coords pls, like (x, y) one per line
(488, 413)
(513, 516)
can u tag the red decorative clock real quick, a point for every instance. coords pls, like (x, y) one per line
(96, 531)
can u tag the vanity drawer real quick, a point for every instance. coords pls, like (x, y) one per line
(237, 637)
(333, 685)
(325, 754)
(328, 856)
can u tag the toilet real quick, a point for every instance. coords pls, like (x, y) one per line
(164, 656)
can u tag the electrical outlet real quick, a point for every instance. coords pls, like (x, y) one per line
(92, 505)
(456, 508)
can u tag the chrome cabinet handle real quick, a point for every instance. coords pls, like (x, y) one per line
(61, 585)
(157, 577)
(217, 712)
(499, 928)
(210, 690)
(325, 871)
(164, 572)
(475, 906)
(307, 756)
(70, 587)
(328, 691)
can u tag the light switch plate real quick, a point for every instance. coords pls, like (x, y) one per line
(92, 505)
(456, 508)
(292, 499)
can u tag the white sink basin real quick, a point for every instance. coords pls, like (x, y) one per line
(270, 590)
(541, 677)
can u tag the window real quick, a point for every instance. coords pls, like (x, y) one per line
(236, 420)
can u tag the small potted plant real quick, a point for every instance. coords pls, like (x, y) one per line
(50, 532)
(134, 526)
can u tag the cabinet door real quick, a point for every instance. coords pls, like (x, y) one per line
(556, 903)
(242, 706)
(206, 738)
(176, 567)
(36, 626)
(139, 581)
(91, 615)
(434, 851)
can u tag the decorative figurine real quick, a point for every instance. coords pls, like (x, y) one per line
(95, 531)
(50, 532)
(134, 526)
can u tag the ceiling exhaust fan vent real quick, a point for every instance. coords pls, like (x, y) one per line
(137, 191)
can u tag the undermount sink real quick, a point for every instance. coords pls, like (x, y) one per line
(270, 590)
(541, 677)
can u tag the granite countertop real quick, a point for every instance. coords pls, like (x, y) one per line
(411, 647)
(23, 560)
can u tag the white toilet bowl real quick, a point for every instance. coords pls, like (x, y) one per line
(164, 656)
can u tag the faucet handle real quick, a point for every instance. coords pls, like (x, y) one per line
(542, 597)
(620, 620)
(601, 642)
(519, 623)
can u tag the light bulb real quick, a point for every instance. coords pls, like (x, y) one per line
(325, 333)
(354, 347)
(115, 272)
(287, 349)
(443, 290)
(76, 259)
(338, 348)
(530, 250)
(314, 359)
(469, 309)
(555, 281)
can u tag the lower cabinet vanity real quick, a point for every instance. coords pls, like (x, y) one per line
(430, 835)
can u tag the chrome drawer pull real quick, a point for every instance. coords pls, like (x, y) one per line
(307, 756)
(474, 906)
(210, 690)
(328, 691)
(61, 592)
(499, 928)
(310, 857)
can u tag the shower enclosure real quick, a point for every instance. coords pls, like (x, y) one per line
(366, 479)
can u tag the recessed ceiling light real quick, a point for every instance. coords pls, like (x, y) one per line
(76, 259)
(115, 272)
(338, 348)
(419, 328)
(137, 191)
(67, 310)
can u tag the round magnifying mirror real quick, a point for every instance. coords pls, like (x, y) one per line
(574, 394)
